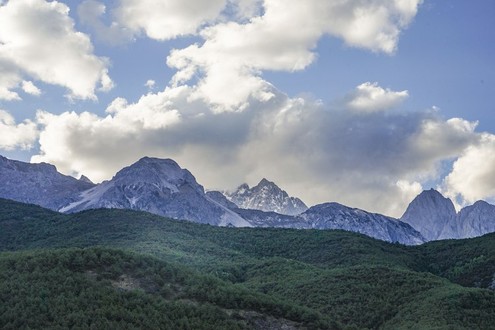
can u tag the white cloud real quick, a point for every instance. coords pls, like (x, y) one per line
(88, 144)
(369, 97)
(164, 20)
(14, 135)
(38, 40)
(283, 38)
(472, 177)
(150, 84)
(9, 79)
(30, 88)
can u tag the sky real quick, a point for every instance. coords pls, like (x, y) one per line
(364, 103)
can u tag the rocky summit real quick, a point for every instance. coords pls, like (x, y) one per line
(435, 217)
(39, 184)
(157, 186)
(266, 196)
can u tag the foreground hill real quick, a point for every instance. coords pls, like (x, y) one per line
(352, 280)
(110, 289)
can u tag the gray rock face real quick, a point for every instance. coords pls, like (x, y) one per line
(157, 186)
(433, 215)
(39, 184)
(220, 198)
(476, 220)
(266, 196)
(337, 216)
(271, 219)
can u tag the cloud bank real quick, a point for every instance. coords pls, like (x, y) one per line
(373, 160)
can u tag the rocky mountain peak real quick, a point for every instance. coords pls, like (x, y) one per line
(430, 213)
(161, 172)
(266, 196)
(84, 178)
(39, 184)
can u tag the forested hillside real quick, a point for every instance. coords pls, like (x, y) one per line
(157, 272)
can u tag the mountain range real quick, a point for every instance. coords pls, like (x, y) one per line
(162, 187)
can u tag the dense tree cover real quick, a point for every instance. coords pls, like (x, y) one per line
(103, 288)
(314, 278)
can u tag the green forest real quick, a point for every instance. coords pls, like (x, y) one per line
(102, 269)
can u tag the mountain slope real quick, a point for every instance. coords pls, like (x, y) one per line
(476, 220)
(337, 216)
(157, 186)
(39, 184)
(111, 289)
(266, 196)
(330, 273)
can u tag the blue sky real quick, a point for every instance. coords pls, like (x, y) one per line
(364, 103)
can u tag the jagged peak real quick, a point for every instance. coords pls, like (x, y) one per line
(265, 182)
(478, 205)
(432, 196)
(431, 192)
(243, 186)
(84, 178)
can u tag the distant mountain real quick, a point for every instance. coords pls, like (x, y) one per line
(434, 216)
(157, 186)
(337, 216)
(476, 220)
(266, 196)
(431, 214)
(39, 184)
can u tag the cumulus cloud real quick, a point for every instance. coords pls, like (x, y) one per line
(9, 79)
(472, 177)
(376, 162)
(13, 136)
(369, 97)
(163, 20)
(283, 37)
(38, 39)
(30, 88)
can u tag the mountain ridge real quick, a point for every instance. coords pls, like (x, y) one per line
(162, 187)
